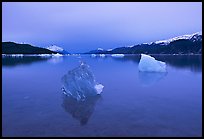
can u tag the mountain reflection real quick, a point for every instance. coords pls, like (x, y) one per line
(26, 60)
(14, 61)
(191, 62)
(80, 110)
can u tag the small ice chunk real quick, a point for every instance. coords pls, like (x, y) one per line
(45, 55)
(16, 55)
(150, 64)
(118, 55)
(102, 55)
(93, 55)
(99, 88)
(80, 83)
(76, 54)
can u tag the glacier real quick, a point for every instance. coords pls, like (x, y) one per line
(80, 83)
(150, 64)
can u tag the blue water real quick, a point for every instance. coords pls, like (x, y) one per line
(131, 104)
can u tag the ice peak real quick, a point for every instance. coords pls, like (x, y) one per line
(100, 49)
(186, 37)
(167, 41)
(109, 49)
(55, 48)
(129, 46)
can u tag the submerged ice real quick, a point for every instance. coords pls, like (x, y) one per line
(80, 110)
(80, 83)
(150, 64)
(150, 78)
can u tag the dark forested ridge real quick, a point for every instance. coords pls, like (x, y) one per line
(14, 48)
(187, 44)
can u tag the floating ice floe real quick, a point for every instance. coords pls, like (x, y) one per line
(96, 55)
(93, 55)
(102, 55)
(75, 54)
(18, 55)
(44, 55)
(80, 84)
(118, 55)
(13, 55)
(150, 64)
(57, 55)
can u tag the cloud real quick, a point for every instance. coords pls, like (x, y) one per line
(94, 23)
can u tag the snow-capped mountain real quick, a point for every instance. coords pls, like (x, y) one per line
(100, 49)
(185, 37)
(57, 49)
(109, 49)
(185, 44)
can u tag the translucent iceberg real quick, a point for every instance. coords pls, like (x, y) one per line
(150, 64)
(80, 84)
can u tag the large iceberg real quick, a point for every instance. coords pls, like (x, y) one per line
(150, 64)
(80, 84)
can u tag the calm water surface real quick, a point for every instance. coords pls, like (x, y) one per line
(131, 104)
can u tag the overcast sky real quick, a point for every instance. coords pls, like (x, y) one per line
(80, 27)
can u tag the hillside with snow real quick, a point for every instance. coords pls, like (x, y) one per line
(185, 44)
(16, 48)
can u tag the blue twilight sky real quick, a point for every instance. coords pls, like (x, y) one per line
(80, 27)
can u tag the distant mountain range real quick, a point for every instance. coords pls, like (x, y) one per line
(185, 44)
(15, 48)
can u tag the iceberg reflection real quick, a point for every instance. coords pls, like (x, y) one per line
(150, 78)
(80, 110)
